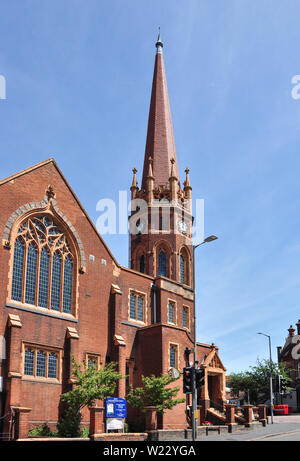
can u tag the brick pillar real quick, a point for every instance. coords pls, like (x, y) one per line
(122, 369)
(230, 416)
(230, 413)
(14, 360)
(97, 420)
(248, 414)
(262, 413)
(22, 424)
(151, 418)
(73, 337)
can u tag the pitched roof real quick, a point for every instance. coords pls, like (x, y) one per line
(46, 162)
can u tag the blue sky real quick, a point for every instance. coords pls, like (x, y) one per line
(79, 76)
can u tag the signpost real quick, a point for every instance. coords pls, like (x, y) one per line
(115, 413)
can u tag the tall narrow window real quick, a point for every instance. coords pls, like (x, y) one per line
(132, 305)
(171, 313)
(17, 280)
(44, 278)
(52, 365)
(68, 275)
(185, 317)
(41, 364)
(182, 269)
(162, 264)
(142, 264)
(31, 274)
(29, 362)
(173, 356)
(43, 266)
(56, 278)
(140, 308)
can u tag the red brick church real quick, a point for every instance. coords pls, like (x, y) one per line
(63, 292)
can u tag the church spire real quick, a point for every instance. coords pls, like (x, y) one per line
(160, 144)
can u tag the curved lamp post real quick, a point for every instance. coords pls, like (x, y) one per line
(271, 377)
(194, 393)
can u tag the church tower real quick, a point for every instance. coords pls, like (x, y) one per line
(161, 219)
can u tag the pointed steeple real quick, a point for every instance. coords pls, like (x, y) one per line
(160, 144)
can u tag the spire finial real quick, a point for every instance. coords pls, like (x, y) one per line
(159, 44)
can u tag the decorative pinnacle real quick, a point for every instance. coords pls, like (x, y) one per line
(172, 175)
(159, 44)
(150, 172)
(134, 183)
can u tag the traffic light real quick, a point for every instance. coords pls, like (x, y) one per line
(200, 377)
(188, 377)
(283, 385)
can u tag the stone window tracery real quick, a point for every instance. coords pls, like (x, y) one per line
(43, 265)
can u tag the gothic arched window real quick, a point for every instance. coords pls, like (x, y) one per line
(184, 266)
(43, 265)
(162, 264)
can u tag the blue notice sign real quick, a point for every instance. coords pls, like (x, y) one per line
(115, 408)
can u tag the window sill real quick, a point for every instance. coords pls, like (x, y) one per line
(40, 380)
(41, 311)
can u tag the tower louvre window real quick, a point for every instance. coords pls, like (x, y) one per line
(142, 264)
(43, 265)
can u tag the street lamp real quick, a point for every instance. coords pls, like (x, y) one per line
(271, 377)
(194, 393)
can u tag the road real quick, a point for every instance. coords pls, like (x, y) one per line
(285, 428)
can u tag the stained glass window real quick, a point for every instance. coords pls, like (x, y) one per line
(29, 362)
(162, 264)
(132, 305)
(182, 271)
(171, 312)
(140, 308)
(56, 279)
(31, 274)
(172, 356)
(67, 293)
(40, 244)
(41, 364)
(44, 278)
(52, 365)
(17, 280)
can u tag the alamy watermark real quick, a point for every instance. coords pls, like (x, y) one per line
(296, 89)
(2, 87)
(163, 216)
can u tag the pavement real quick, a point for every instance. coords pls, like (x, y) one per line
(285, 428)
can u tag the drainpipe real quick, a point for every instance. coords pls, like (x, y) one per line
(153, 286)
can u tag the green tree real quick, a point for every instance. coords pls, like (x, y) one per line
(90, 385)
(154, 393)
(257, 380)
